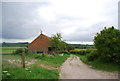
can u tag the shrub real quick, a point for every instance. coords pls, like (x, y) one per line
(39, 55)
(114, 58)
(81, 52)
(89, 50)
(92, 56)
(107, 43)
(20, 50)
(70, 47)
(64, 51)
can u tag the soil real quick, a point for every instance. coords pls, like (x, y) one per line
(48, 67)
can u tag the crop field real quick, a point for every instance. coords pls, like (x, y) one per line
(8, 50)
(77, 49)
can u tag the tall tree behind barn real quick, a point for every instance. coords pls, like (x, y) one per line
(40, 45)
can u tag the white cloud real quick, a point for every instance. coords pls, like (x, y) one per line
(68, 31)
(77, 20)
(47, 13)
(77, 42)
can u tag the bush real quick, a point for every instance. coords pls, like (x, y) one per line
(20, 50)
(89, 50)
(107, 43)
(114, 58)
(81, 52)
(64, 51)
(70, 47)
(92, 56)
(39, 55)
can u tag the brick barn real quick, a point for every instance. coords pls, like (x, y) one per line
(40, 45)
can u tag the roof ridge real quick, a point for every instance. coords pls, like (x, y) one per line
(44, 35)
(39, 36)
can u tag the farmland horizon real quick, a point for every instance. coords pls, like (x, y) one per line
(84, 43)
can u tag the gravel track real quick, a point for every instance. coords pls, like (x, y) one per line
(74, 68)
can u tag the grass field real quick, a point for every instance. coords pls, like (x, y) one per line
(12, 69)
(8, 50)
(97, 64)
(51, 60)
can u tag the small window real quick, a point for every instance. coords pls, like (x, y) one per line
(40, 37)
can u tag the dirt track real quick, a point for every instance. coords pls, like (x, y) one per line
(74, 68)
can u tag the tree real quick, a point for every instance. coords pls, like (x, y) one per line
(57, 43)
(107, 43)
(70, 47)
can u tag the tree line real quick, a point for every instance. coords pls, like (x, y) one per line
(5, 44)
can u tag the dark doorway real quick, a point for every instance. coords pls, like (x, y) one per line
(39, 51)
(49, 48)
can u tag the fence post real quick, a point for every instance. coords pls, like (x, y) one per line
(23, 57)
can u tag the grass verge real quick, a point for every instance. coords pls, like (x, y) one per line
(98, 64)
(34, 72)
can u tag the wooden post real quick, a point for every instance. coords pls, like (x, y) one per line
(23, 58)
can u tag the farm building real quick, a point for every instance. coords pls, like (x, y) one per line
(40, 45)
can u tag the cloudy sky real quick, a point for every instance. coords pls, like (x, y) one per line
(77, 20)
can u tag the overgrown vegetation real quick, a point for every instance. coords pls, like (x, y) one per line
(92, 55)
(70, 47)
(99, 64)
(107, 53)
(20, 50)
(107, 43)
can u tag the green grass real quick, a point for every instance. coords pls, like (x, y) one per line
(35, 72)
(98, 64)
(9, 50)
(54, 60)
